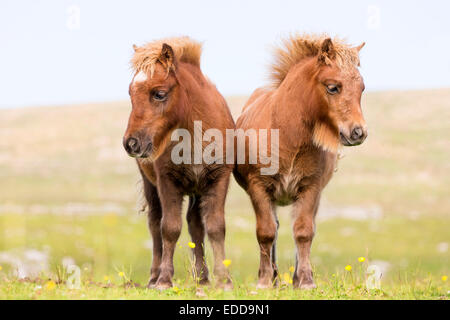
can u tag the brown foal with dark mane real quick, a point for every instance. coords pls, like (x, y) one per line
(169, 92)
(316, 105)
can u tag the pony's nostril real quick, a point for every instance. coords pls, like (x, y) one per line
(132, 146)
(357, 133)
(131, 143)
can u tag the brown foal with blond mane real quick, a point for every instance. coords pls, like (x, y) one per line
(315, 103)
(168, 92)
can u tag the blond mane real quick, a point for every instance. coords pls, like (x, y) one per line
(299, 46)
(185, 49)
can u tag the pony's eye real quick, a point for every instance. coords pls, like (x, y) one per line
(332, 89)
(160, 95)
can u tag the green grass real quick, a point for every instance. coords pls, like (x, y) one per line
(328, 289)
(106, 245)
(69, 191)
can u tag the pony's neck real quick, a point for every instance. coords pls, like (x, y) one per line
(302, 110)
(193, 98)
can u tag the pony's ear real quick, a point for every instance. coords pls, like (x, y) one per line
(135, 47)
(327, 52)
(167, 56)
(358, 48)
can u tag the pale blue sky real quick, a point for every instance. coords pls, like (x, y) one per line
(44, 61)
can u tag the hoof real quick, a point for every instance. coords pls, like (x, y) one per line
(227, 286)
(151, 284)
(264, 285)
(200, 293)
(307, 286)
(161, 286)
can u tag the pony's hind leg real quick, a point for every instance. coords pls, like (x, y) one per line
(213, 214)
(305, 210)
(274, 251)
(154, 225)
(197, 232)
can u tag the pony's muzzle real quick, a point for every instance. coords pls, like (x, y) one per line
(135, 148)
(357, 136)
(132, 146)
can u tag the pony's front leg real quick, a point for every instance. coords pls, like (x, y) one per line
(154, 224)
(266, 230)
(305, 210)
(213, 213)
(171, 201)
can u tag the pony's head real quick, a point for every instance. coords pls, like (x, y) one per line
(156, 95)
(340, 87)
(326, 71)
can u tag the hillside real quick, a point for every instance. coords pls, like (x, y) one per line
(51, 156)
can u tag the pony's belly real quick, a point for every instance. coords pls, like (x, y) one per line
(284, 200)
(286, 189)
(197, 179)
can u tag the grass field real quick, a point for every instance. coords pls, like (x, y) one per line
(70, 195)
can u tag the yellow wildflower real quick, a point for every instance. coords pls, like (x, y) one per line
(50, 285)
(226, 263)
(361, 259)
(291, 269)
(191, 245)
(444, 278)
(121, 274)
(106, 278)
(176, 290)
(1, 268)
(348, 267)
(286, 277)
